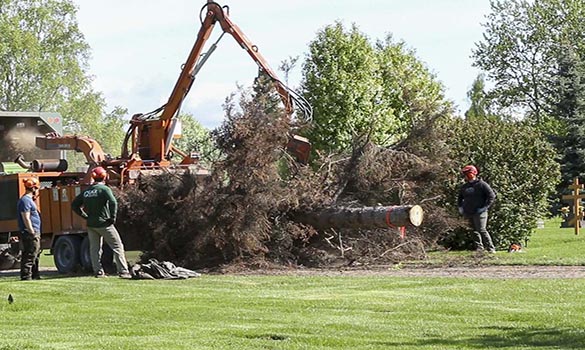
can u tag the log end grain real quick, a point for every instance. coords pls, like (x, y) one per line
(415, 215)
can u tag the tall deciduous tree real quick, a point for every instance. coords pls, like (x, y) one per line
(358, 88)
(410, 92)
(341, 82)
(196, 138)
(43, 55)
(520, 50)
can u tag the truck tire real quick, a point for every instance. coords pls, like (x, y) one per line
(84, 256)
(66, 253)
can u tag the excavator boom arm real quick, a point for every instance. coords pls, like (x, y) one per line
(152, 131)
(215, 13)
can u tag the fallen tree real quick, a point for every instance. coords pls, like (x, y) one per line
(260, 207)
(363, 217)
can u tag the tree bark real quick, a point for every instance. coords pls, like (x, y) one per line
(364, 218)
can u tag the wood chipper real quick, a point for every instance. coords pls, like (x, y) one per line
(17, 143)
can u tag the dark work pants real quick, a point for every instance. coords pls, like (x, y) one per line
(31, 251)
(481, 236)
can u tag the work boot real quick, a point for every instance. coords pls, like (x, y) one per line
(125, 275)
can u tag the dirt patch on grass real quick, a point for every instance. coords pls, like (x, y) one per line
(493, 271)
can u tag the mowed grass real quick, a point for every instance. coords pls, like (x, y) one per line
(293, 312)
(551, 245)
(307, 312)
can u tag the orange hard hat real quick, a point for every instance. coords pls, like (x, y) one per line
(31, 182)
(99, 174)
(469, 169)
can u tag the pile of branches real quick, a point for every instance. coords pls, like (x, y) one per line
(244, 212)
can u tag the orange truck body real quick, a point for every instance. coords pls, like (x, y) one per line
(53, 202)
(58, 188)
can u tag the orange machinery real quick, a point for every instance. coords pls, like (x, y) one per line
(151, 133)
(148, 144)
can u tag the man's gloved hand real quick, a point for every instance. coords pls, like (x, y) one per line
(481, 210)
(461, 210)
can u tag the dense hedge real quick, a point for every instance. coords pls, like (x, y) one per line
(518, 163)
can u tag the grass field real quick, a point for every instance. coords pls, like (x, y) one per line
(550, 245)
(310, 312)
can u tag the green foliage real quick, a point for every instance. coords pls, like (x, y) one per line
(360, 89)
(520, 50)
(341, 82)
(43, 55)
(410, 91)
(112, 130)
(294, 313)
(518, 163)
(479, 107)
(570, 109)
(196, 138)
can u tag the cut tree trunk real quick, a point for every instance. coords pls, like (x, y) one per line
(364, 218)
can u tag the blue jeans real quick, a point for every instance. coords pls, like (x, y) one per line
(481, 236)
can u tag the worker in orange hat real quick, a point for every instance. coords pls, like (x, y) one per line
(474, 200)
(99, 207)
(29, 224)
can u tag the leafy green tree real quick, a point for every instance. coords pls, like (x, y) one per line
(358, 88)
(341, 82)
(43, 55)
(520, 50)
(113, 130)
(410, 92)
(517, 162)
(196, 138)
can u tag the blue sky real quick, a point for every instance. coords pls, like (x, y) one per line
(138, 46)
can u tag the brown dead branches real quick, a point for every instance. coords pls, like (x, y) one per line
(244, 211)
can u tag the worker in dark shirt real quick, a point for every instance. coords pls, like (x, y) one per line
(99, 207)
(474, 200)
(29, 224)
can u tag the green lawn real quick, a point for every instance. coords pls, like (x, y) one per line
(310, 312)
(550, 245)
(284, 312)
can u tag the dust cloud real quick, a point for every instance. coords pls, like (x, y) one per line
(19, 141)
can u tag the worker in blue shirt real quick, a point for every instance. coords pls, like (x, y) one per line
(29, 224)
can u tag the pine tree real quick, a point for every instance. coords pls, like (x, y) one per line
(570, 108)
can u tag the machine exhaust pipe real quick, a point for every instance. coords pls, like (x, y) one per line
(20, 161)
